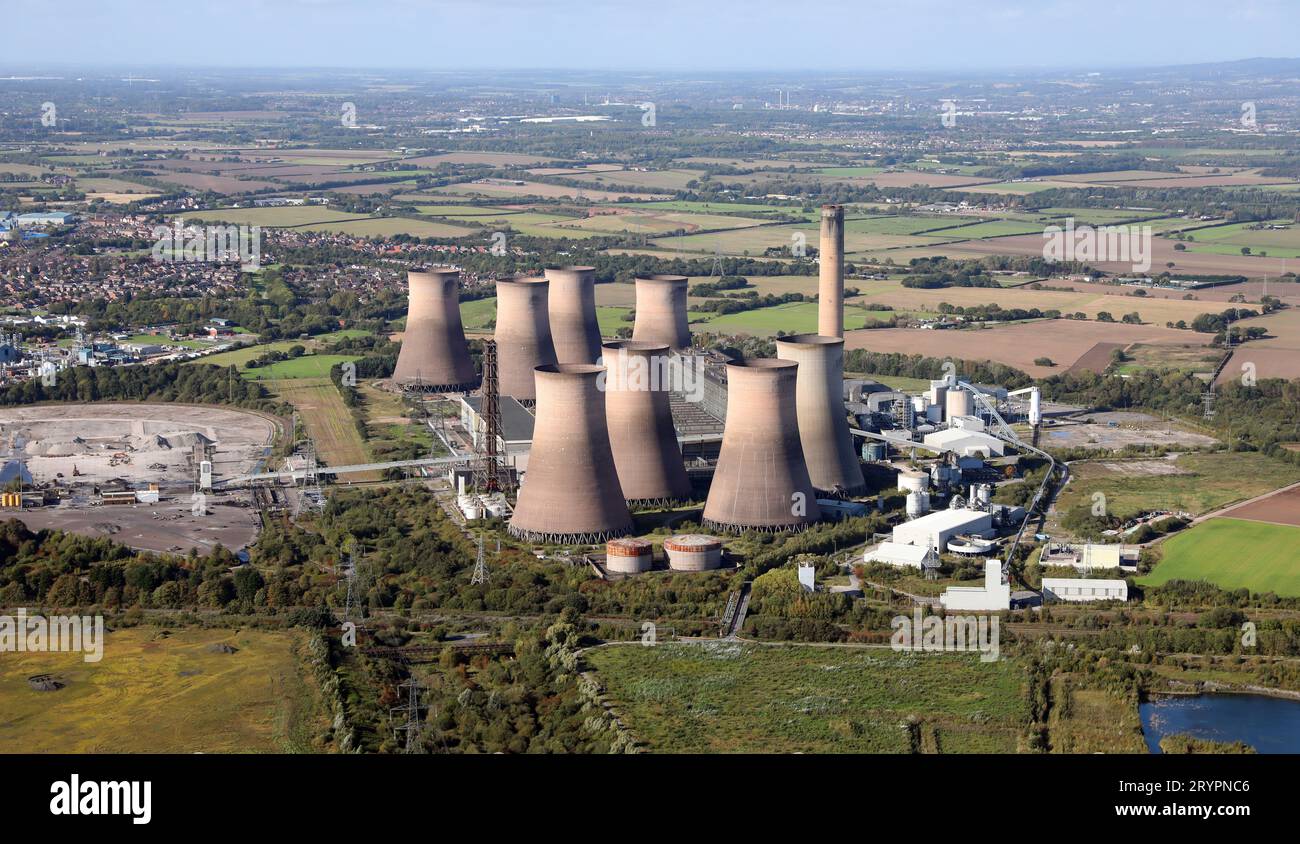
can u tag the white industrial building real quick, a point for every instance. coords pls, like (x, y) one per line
(1086, 556)
(994, 595)
(937, 528)
(894, 554)
(966, 442)
(1084, 589)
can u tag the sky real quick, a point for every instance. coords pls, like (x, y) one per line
(880, 35)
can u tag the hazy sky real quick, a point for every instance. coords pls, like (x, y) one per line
(646, 34)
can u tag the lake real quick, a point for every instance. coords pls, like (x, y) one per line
(1268, 724)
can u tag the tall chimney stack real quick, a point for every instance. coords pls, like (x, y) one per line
(574, 329)
(761, 481)
(570, 494)
(819, 405)
(830, 286)
(523, 334)
(661, 311)
(641, 433)
(434, 354)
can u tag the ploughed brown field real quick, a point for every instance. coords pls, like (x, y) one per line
(1281, 509)
(1163, 252)
(1065, 341)
(1267, 363)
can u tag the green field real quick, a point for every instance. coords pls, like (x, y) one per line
(1233, 554)
(792, 317)
(738, 698)
(1231, 239)
(163, 691)
(307, 366)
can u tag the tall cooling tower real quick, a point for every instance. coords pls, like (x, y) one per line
(661, 311)
(646, 454)
(570, 494)
(761, 481)
(523, 334)
(823, 426)
(573, 314)
(434, 354)
(830, 272)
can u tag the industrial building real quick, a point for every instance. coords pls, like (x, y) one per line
(938, 528)
(761, 482)
(693, 552)
(993, 596)
(572, 312)
(661, 311)
(1083, 589)
(966, 442)
(895, 554)
(523, 334)
(1086, 556)
(434, 353)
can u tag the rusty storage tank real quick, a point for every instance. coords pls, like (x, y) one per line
(693, 552)
(570, 493)
(823, 424)
(761, 481)
(641, 433)
(434, 355)
(661, 311)
(830, 273)
(574, 329)
(628, 556)
(958, 402)
(523, 334)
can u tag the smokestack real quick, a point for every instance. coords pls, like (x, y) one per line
(761, 481)
(523, 334)
(661, 311)
(434, 354)
(573, 314)
(646, 454)
(570, 494)
(823, 428)
(830, 286)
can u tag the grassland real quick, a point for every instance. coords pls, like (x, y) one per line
(161, 691)
(796, 317)
(328, 421)
(307, 366)
(735, 698)
(1196, 482)
(1231, 239)
(1233, 554)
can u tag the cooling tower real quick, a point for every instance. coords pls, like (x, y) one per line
(661, 311)
(646, 454)
(523, 334)
(570, 494)
(761, 481)
(823, 427)
(830, 285)
(573, 314)
(434, 354)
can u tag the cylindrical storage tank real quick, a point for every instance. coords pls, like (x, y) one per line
(628, 556)
(984, 494)
(875, 451)
(434, 354)
(830, 271)
(913, 481)
(823, 426)
(523, 335)
(958, 403)
(641, 433)
(916, 504)
(693, 552)
(920, 403)
(761, 481)
(574, 329)
(661, 311)
(571, 494)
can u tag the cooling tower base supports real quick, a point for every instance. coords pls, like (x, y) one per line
(438, 388)
(739, 529)
(656, 503)
(545, 538)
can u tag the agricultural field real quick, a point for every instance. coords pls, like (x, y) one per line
(479, 314)
(192, 697)
(286, 217)
(1186, 357)
(1231, 239)
(1233, 554)
(796, 317)
(1196, 483)
(308, 366)
(328, 421)
(728, 697)
(389, 226)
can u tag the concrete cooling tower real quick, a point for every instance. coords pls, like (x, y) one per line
(570, 494)
(434, 354)
(830, 284)
(823, 427)
(573, 314)
(646, 454)
(661, 311)
(523, 334)
(761, 481)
